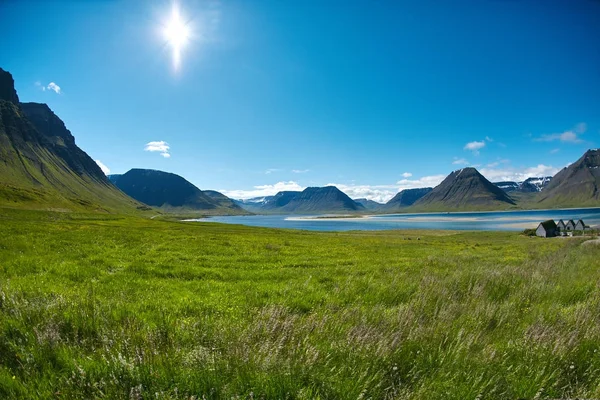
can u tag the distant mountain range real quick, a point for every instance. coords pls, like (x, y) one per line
(171, 192)
(311, 200)
(530, 185)
(42, 167)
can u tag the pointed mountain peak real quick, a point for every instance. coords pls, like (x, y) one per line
(7, 87)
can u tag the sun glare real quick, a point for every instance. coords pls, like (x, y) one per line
(177, 33)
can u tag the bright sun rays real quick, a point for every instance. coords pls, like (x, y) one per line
(177, 32)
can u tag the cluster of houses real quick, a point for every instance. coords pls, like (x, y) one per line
(550, 228)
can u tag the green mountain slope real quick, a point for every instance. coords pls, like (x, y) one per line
(464, 190)
(577, 185)
(42, 167)
(172, 192)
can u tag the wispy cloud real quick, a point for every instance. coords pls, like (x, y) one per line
(263, 190)
(460, 161)
(160, 146)
(554, 151)
(474, 146)
(55, 87)
(271, 170)
(103, 167)
(378, 193)
(570, 136)
(300, 171)
(425, 181)
(406, 175)
(51, 86)
(489, 139)
(518, 174)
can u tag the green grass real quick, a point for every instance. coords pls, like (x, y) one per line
(104, 306)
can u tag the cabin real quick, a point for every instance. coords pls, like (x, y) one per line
(580, 226)
(570, 226)
(561, 228)
(546, 229)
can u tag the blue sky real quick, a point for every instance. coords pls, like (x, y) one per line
(372, 96)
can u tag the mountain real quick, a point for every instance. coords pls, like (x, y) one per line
(463, 190)
(327, 199)
(406, 198)
(42, 167)
(534, 185)
(577, 185)
(509, 186)
(530, 185)
(114, 177)
(172, 192)
(370, 205)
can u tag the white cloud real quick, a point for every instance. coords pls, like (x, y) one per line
(51, 86)
(378, 193)
(54, 86)
(426, 181)
(383, 193)
(263, 190)
(407, 175)
(489, 139)
(159, 146)
(518, 174)
(460, 161)
(300, 171)
(474, 146)
(271, 170)
(103, 167)
(570, 136)
(554, 151)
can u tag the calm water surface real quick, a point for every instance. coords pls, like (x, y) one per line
(495, 221)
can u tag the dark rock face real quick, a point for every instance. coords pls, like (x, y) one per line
(407, 197)
(56, 135)
(465, 189)
(7, 87)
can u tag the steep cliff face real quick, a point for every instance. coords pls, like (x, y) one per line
(42, 167)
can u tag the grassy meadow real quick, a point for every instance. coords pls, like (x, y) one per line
(100, 306)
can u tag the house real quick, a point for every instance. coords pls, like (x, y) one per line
(546, 229)
(570, 226)
(580, 225)
(561, 228)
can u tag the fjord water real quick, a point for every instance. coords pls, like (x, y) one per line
(489, 221)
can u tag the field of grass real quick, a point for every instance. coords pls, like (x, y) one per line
(101, 306)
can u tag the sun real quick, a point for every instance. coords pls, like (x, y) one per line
(177, 33)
